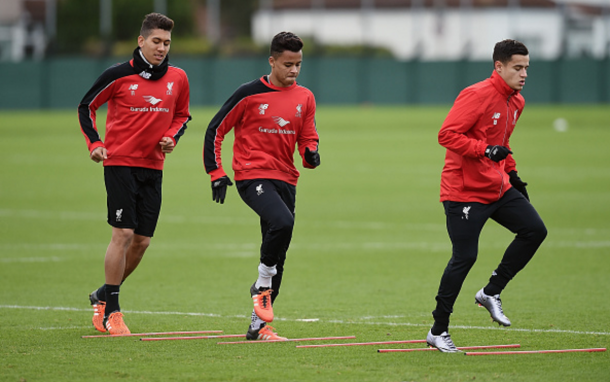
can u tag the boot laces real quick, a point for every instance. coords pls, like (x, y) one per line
(498, 303)
(265, 298)
(448, 342)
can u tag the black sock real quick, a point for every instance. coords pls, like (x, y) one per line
(438, 329)
(492, 289)
(441, 323)
(101, 293)
(112, 299)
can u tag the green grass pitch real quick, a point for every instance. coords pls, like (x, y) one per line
(367, 254)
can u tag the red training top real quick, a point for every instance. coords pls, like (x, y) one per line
(483, 114)
(269, 122)
(140, 112)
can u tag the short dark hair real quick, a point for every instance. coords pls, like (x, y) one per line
(156, 21)
(504, 50)
(285, 41)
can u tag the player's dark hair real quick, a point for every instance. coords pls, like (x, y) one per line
(156, 21)
(285, 41)
(504, 50)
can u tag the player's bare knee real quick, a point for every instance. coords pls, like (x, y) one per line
(122, 236)
(141, 243)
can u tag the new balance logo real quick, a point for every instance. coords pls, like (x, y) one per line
(152, 100)
(495, 117)
(145, 75)
(119, 215)
(133, 88)
(262, 108)
(281, 121)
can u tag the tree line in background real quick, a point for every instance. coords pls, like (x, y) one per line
(78, 30)
(78, 26)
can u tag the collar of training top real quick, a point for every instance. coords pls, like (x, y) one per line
(501, 85)
(147, 70)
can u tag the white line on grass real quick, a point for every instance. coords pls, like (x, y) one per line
(467, 327)
(350, 322)
(65, 327)
(51, 246)
(61, 215)
(30, 259)
(247, 250)
(339, 224)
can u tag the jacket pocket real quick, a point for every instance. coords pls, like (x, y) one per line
(480, 175)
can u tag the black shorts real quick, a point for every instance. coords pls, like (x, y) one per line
(133, 198)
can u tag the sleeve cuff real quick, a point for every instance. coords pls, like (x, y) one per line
(217, 174)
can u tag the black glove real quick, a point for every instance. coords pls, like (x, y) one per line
(312, 157)
(219, 189)
(517, 183)
(497, 153)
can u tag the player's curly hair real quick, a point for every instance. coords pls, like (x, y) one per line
(285, 41)
(155, 21)
(504, 50)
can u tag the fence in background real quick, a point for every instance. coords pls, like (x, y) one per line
(61, 82)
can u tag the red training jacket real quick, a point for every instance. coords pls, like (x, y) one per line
(483, 114)
(269, 122)
(140, 113)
